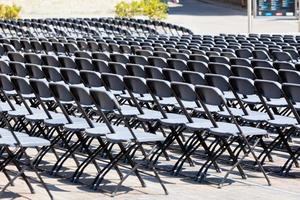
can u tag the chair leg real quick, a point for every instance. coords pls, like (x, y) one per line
(236, 164)
(39, 177)
(256, 160)
(135, 168)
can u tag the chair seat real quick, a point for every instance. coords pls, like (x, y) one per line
(4, 132)
(227, 129)
(277, 103)
(280, 121)
(124, 96)
(146, 98)
(103, 130)
(36, 117)
(169, 101)
(28, 96)
(235, 112)
(177, 119)
(18, 113)
(140, 136)
(4, 107)
(297, 106)
(25, 141)
(229, 95)
(211, 108)
(173, 120)
(200, 124)
(251, 99)
(79, 125)
(128, 111)
(255, 116)
(150, 115)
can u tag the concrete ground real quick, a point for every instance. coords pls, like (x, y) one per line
(180, 187)
(209, 17)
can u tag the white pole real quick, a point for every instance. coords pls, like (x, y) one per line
(249, 11)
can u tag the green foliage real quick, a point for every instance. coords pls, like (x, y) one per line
(154, 9)
(9, 12)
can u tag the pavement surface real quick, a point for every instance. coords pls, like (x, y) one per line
(209, 17)
(182, 186)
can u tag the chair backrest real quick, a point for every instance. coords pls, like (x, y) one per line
(159, 88)
(219, 59)
(18, 68)
(41, 88)
(292, 92)
(84, 64)
(50, 60)
(104, 100)
(242, 71)
(194, 78)
(210, 95)
(184, 92)
(283, 65)
(35, 71)
(91, 79)
(52, 73)
(113, 82)
(67, 62)
(261, 63)
(71, 76)
(243, 53)
(101, 56)
(16, 56)
(268, 89)
(282, 56)
(242, 86)
(83, 54)
(33, 58)
(135, 70)
(4, 68)
(136, 85)
(81, 95)
(118, 68)
(137, 59)
(219, 68)
(21, 85)
(266, 73)
(173, 75)
(240, 61)
(181, 56)
(177, 64)
(5, 83)
(289, 76)
(61, 92)
(153, 72)
(120, 58)
(199, 57)
(198, 66)
(219, 81)
(157, 61)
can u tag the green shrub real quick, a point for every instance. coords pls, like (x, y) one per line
(154, 9)
(9, 12)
